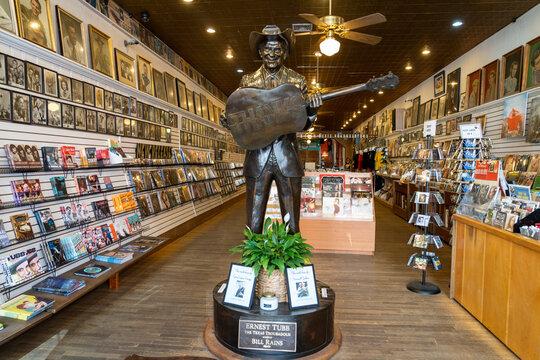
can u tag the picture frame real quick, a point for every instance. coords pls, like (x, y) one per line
(119, 126)
(77, 91)
(127, 127)
(159, 85)
(68, 116)
(189, 96)
(133, 128)
(427, 111)
(110, 124)
(170, 86)
(71, 34)
(211, 111)
(144, 71)
(532, 133)
(125, 68)
(50, 82)
(20, 107)
(54, 115)
(415, 111)
(133, 106)
(438, 84)
(109, 104)
(452, 92)
(139, 110)
(40, 34)
(100, 97)
(482, 120)
(474, 86)
(301, 287)
(10, 19)
(101, 123)
(89, 94)
(34, 77)
(514, 116)
(3, 79)
(204, 107)
(15, 72)
(490, 82)
(125, 105)
(181, 92)
(511, 72)
(38, 111)
(421, 113)
(80, 118)
(117, 100)
(531, 64)
(448, 127)
(91, 120)
(101, 51)
(466, 118)
(5, 104)
(463, 101)
(434, 109)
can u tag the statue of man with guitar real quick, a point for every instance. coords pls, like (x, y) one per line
(265, 113)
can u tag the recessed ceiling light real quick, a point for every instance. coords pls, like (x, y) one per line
(239, 70)
(365, 106)
(188, 0)
(210, 30)
(354, 115)
(408, 66)
(229, 55)
(457, 23)
(311, 128)
(371, 100)
(313, 82)
(318, 53)
(426, 51)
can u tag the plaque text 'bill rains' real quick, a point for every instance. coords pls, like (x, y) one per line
(267, 335)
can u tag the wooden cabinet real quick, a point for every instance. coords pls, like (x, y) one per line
(496, 277)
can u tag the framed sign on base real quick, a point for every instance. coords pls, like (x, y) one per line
(240, 286)
(301, 287)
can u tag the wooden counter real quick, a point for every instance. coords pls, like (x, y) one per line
(496, 277)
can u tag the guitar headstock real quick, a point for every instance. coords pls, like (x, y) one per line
(389, 81)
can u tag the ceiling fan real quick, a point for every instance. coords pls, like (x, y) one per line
(333, 25)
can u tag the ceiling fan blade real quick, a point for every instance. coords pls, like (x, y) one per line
(363, 38)
(372, 19)
(313, 19)
(309, 33)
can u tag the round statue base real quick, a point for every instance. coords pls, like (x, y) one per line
(306, 333)
(424, 289)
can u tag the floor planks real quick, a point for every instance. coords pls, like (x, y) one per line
(165, 301)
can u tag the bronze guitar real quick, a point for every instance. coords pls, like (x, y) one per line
(256, 117)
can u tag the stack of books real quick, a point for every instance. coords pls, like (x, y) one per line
(25, 307)
(59, 285)
(116, 257)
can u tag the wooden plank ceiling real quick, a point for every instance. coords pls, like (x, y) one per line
(411, 25)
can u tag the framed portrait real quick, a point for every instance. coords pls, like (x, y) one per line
(68, 116)
(438, 129)
(482, 121)
(140, 129)
(50, 81)
(39, 111)
(2, 68)
(181, 91)
(211, 111)
(8, 15)
(152, 131)
(463, 101)
(100, 97)
(34, 20)
(125, 105)
(159, 85)
(146, 112)
(101, 51)
(438, 84)
(453, 125)
(448, 127)
(532, 133)
(77, 91)
(490, 82)
(71, 36)
(144, 70)
(301, 287)
(91, 120)
(110, 125)
(140, 109)
(466, 118)
(54, 115)
(191, 106)
(117, 103)
(80, 118)
(119, 126)
(204, 107)
(102, 123)
(146, 130)
(434, 109)
(5, 104)
(133, 106)
(109, 105)
(15, 72)
(442, 107)
(531, 64)
(127, 127)
(197, 102)
(514, 116)
(170, 85)
(421, 113)
(152, 114)
(452, 92)
(64, 84)
(34, 78)
(133, 128)
(89, 95)
(415, 111)
(511, 70)
(427, 111)
(125, 68)
(474, 81)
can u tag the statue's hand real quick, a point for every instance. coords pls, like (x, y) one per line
(223, 121)
(314, 102)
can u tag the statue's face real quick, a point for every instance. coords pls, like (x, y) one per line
(272, 55)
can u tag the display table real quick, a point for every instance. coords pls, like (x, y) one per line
(277, 334)
(495, 276)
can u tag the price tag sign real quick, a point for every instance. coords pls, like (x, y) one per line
(430, 127)
(470, 131)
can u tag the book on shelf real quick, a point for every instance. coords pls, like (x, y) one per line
(73, 246)
(4, 239)
(108, 183)
(58, 185)
(69, 216)
(137, 180)
(92, 271)
(121, 228)
(52, 159)
(103, 157)
(114, 256)
(101, 209)
(108, 236)
(55, 253)
(91, 156)
(82, 213)
(92, 181)
(136, 248)
(22, 227)
(81, 184)
(25, 307)
(134, 223)
(124, 202)
(59, 285)
(147, 179)
(26, 191)
(45, 220)
(154, 201)
(144, 204)
(69, 153)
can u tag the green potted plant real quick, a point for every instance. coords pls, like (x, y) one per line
(274, 249)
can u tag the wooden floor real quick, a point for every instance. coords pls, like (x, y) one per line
(165, 301)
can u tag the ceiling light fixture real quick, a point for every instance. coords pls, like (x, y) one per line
(318, 53)
(311, 128)
(381, 92)
(365, 106)
(188, 0)
(330, 45)
(354, 115)
(239, 70)
(457, 23)
(210, 30)
(426, 51)
(229, 55)
(408, 66)
(371, 100)
(313, 82)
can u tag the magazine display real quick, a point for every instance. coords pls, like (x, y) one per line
(25, 307)
(333, 190)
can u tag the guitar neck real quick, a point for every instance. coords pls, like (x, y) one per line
(343, 91)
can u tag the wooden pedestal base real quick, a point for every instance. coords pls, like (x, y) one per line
(224, 353)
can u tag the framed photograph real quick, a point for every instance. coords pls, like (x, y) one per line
(301, 287)
(531, 64)
(473, 89)
(77, 91)
(170, 85)
(125, 68)
(119, 126)
(71, 36)
(434, 109)
(5, 104)
(448, 127)
(144, 70)
(100, 97)
(80, 118)
(2, 66)
(467, 118)
(415, 111)
(140, 129)
(438, 84)
(21, 108)
(64, 83)
(482, 121)
(110, 125)
(102, 123)
(146, 112)
(15, 72)
(421, 113)
(34, 19)
(117, 103)
(101, 51)
(204, 107)
(532, 133)
(127, 127)
(490, 82)
(191, 106)
(133, 106)
(140, 109)
(34, 77)
(452, 92)
(514, 116)
(54, 115)
(511, 69)
(68, 116)
(159, 85)
(39, 111)
(125, 105)
(197, 102)
(91, 120)
(217, 110)
(89, 94)
(109, 106)
(8, 16)
(438, 130)
(427, 111)
(51, 82)
(210, 110)
(182, 98)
